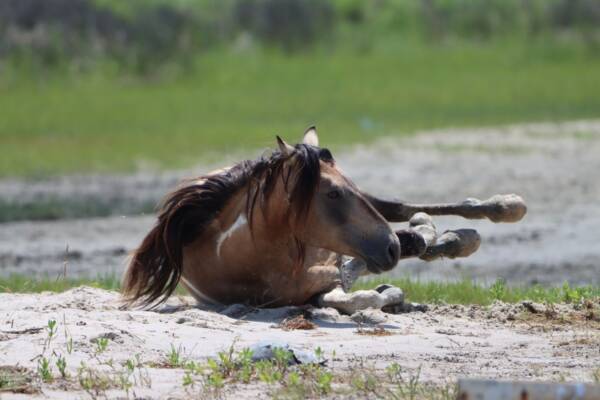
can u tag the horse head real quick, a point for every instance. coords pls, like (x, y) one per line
(334, 215)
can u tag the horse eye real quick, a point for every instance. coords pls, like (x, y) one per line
(334, 194)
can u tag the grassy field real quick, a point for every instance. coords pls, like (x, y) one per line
(100, 122)
(462, 292)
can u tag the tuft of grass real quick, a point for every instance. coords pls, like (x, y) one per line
(17, 283)
(471, 292)
(45, 370)
(174, 358)
(460, 292)
(101, 345)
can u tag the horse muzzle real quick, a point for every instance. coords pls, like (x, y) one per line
(382, 254)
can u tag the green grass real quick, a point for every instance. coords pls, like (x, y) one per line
(461, 292)
(23, 284)
(469, 292)
(104, 122)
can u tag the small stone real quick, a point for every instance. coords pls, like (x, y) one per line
(369, 316)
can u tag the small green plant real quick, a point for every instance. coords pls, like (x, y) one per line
(101, 345)
(51, 331)
(405, 387)
(51, 328)
(187, 379)
(92, 381)
(498, 289)
(323, 381)
(244, 362)
(283, 358)
(61, 364)
(174, 359)
(130, 365)
(69, 345)
(45, 369)
(364, 381)
(215, 379)
(227, 364)
(267, 372)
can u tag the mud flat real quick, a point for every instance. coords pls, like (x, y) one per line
(554, 166)
(521, 341)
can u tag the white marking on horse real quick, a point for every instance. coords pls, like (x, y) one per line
(198, 294)
(239, 222)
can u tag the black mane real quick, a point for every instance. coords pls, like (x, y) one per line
(185, 213)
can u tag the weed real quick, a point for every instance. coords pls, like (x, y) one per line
(498, 289)
(69, 345)
(101, 344)
(51, 330)
(244, 361)
(174, 359)
(405, 387)
(187, 379)
(61, 364)
(93, 381)
(45, 369)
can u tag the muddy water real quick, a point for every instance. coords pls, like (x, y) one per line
(555, 167)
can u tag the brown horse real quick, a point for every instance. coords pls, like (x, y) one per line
(272, 232)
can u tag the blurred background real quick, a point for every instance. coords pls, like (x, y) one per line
(98, 85)
(105, 104)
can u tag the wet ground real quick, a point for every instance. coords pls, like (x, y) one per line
(555, 167)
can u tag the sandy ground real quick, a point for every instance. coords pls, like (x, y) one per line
(553, 166)
(447, 342)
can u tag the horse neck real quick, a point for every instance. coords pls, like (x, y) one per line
(269, 226)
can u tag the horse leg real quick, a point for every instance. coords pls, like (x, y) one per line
(320, 278)
(349, 303)
(498, 208)
(324, 280)
(420, 240)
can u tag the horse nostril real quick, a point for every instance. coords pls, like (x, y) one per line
(394, 252)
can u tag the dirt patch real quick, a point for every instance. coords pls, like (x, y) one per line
(297, 322)
(101, 344)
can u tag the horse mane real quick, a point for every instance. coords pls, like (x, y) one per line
(156, 265)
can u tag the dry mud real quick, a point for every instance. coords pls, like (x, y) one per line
(554, 166)
(522, 341)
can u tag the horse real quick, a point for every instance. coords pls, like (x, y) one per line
(278, 231)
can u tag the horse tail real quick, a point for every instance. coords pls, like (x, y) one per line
(157, 264)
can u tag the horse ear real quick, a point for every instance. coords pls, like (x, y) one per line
(285, 148)
(311, 137)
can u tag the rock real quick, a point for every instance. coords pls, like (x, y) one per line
(369, 316)
(265, 350)
(531, 307)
